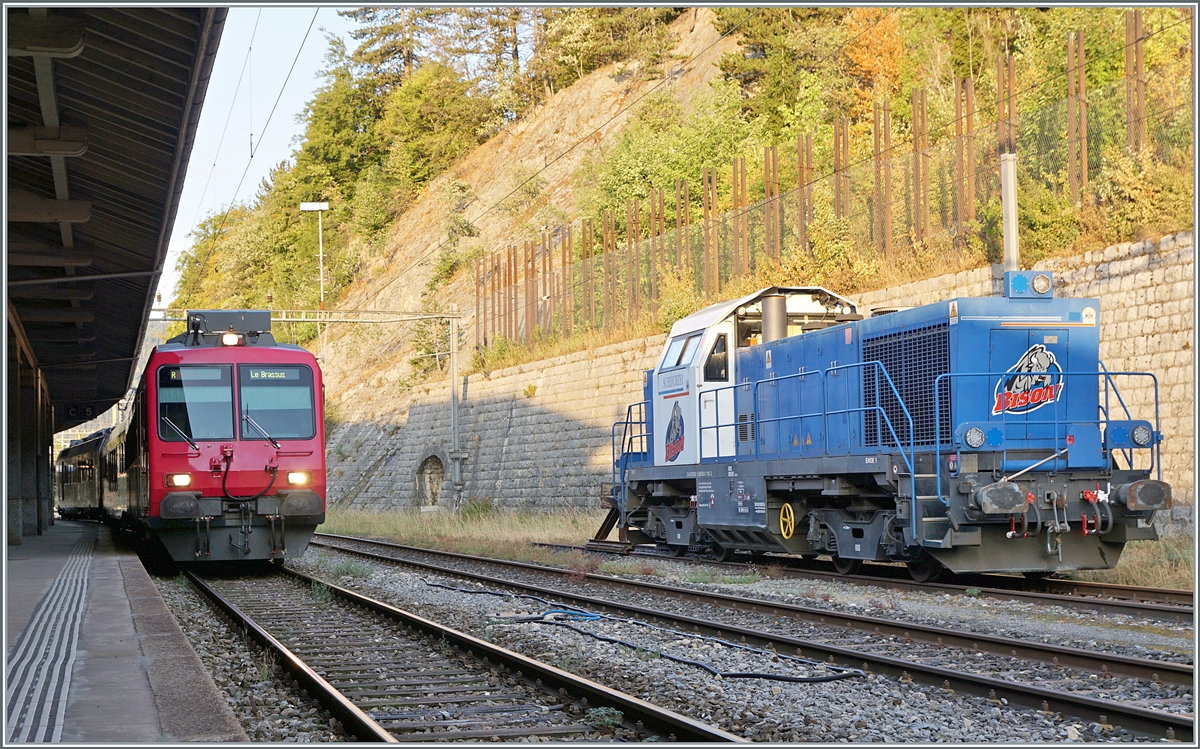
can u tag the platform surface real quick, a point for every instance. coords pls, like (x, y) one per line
(92, 652)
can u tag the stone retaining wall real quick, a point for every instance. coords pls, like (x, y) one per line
(538, 435)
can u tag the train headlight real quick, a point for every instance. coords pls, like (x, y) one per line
(232, 339)
(1041, 283)
(298, 478)
(974, 437)
(179, 479)
(1141, 435)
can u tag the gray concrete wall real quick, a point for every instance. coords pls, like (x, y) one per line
(538, 435)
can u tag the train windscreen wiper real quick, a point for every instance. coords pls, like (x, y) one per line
(253, 423)
(182, 433)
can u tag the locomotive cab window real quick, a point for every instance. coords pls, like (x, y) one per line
(681, 351)
(195, 402)
(716, 369)
(278, 401)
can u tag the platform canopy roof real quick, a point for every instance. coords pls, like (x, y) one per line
(102, 110)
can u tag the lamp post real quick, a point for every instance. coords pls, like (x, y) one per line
(320, 208)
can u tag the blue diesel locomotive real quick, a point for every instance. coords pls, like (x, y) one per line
(974, 435)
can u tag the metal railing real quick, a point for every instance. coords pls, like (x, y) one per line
(633, 434)
(1058, 438)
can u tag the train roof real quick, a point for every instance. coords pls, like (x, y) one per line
(90, 443)
(208, 327)
(715, 313)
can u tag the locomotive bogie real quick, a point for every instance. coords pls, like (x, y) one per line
(973, 435)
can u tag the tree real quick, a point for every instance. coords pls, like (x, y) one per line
(394, 39)
(430, 120)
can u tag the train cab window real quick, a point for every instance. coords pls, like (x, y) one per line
(716, 369)
(279, 401)
(195, 402)
(681, 351)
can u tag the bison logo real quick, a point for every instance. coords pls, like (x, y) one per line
(1036, 380)
(674, 444)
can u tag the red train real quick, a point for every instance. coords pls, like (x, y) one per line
(221, 455)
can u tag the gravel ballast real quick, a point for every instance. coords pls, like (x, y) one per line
(257, 690)
(868, 708)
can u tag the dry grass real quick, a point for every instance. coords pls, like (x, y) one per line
(504, 535)
(1166, 563)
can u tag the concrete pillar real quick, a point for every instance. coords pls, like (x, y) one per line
(13, 464)
(31, 524)
(45, 452)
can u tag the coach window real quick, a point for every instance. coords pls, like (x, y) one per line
(195, 402)
(716, 369)
(277, 398)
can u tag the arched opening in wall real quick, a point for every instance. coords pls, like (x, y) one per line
(429, 481)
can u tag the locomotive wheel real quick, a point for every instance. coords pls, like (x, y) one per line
(677, 550)
(722, 553)
(847, 566)
(925, 569)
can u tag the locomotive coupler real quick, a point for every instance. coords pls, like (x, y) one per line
(204, 545)
(245, 515)
(281, 546)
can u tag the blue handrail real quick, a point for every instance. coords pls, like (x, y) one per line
(1155, 454)
(628, 438)
(910, 459)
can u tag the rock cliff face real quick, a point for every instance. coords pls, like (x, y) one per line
(364, 365)
(539, 435)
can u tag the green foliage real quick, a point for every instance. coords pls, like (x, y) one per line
(605, 718)
(431, 341)
(333, 416)
(665, 143)
(580, 40)
(351, 569)
(1137, 194)
(321, 594)
(785, 51)
(431, 119)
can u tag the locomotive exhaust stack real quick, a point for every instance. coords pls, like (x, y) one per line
(950, 435)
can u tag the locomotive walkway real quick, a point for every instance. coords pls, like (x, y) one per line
(93, 654)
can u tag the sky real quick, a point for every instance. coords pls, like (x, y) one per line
(217, 163)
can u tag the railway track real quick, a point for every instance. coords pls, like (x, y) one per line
(388, 675)
(1133, 717)
(1162, 604)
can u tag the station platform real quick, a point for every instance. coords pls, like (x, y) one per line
(93, 653)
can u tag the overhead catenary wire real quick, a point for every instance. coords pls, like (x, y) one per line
(225, 216)
(228, 115)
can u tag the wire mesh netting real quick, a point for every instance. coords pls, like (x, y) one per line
(586, 277)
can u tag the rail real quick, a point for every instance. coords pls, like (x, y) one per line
(1025, 695)
(1058, 440)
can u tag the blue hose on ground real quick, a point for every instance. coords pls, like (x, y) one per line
(584, 615)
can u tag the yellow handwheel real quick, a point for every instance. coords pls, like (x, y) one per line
(787, 521)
